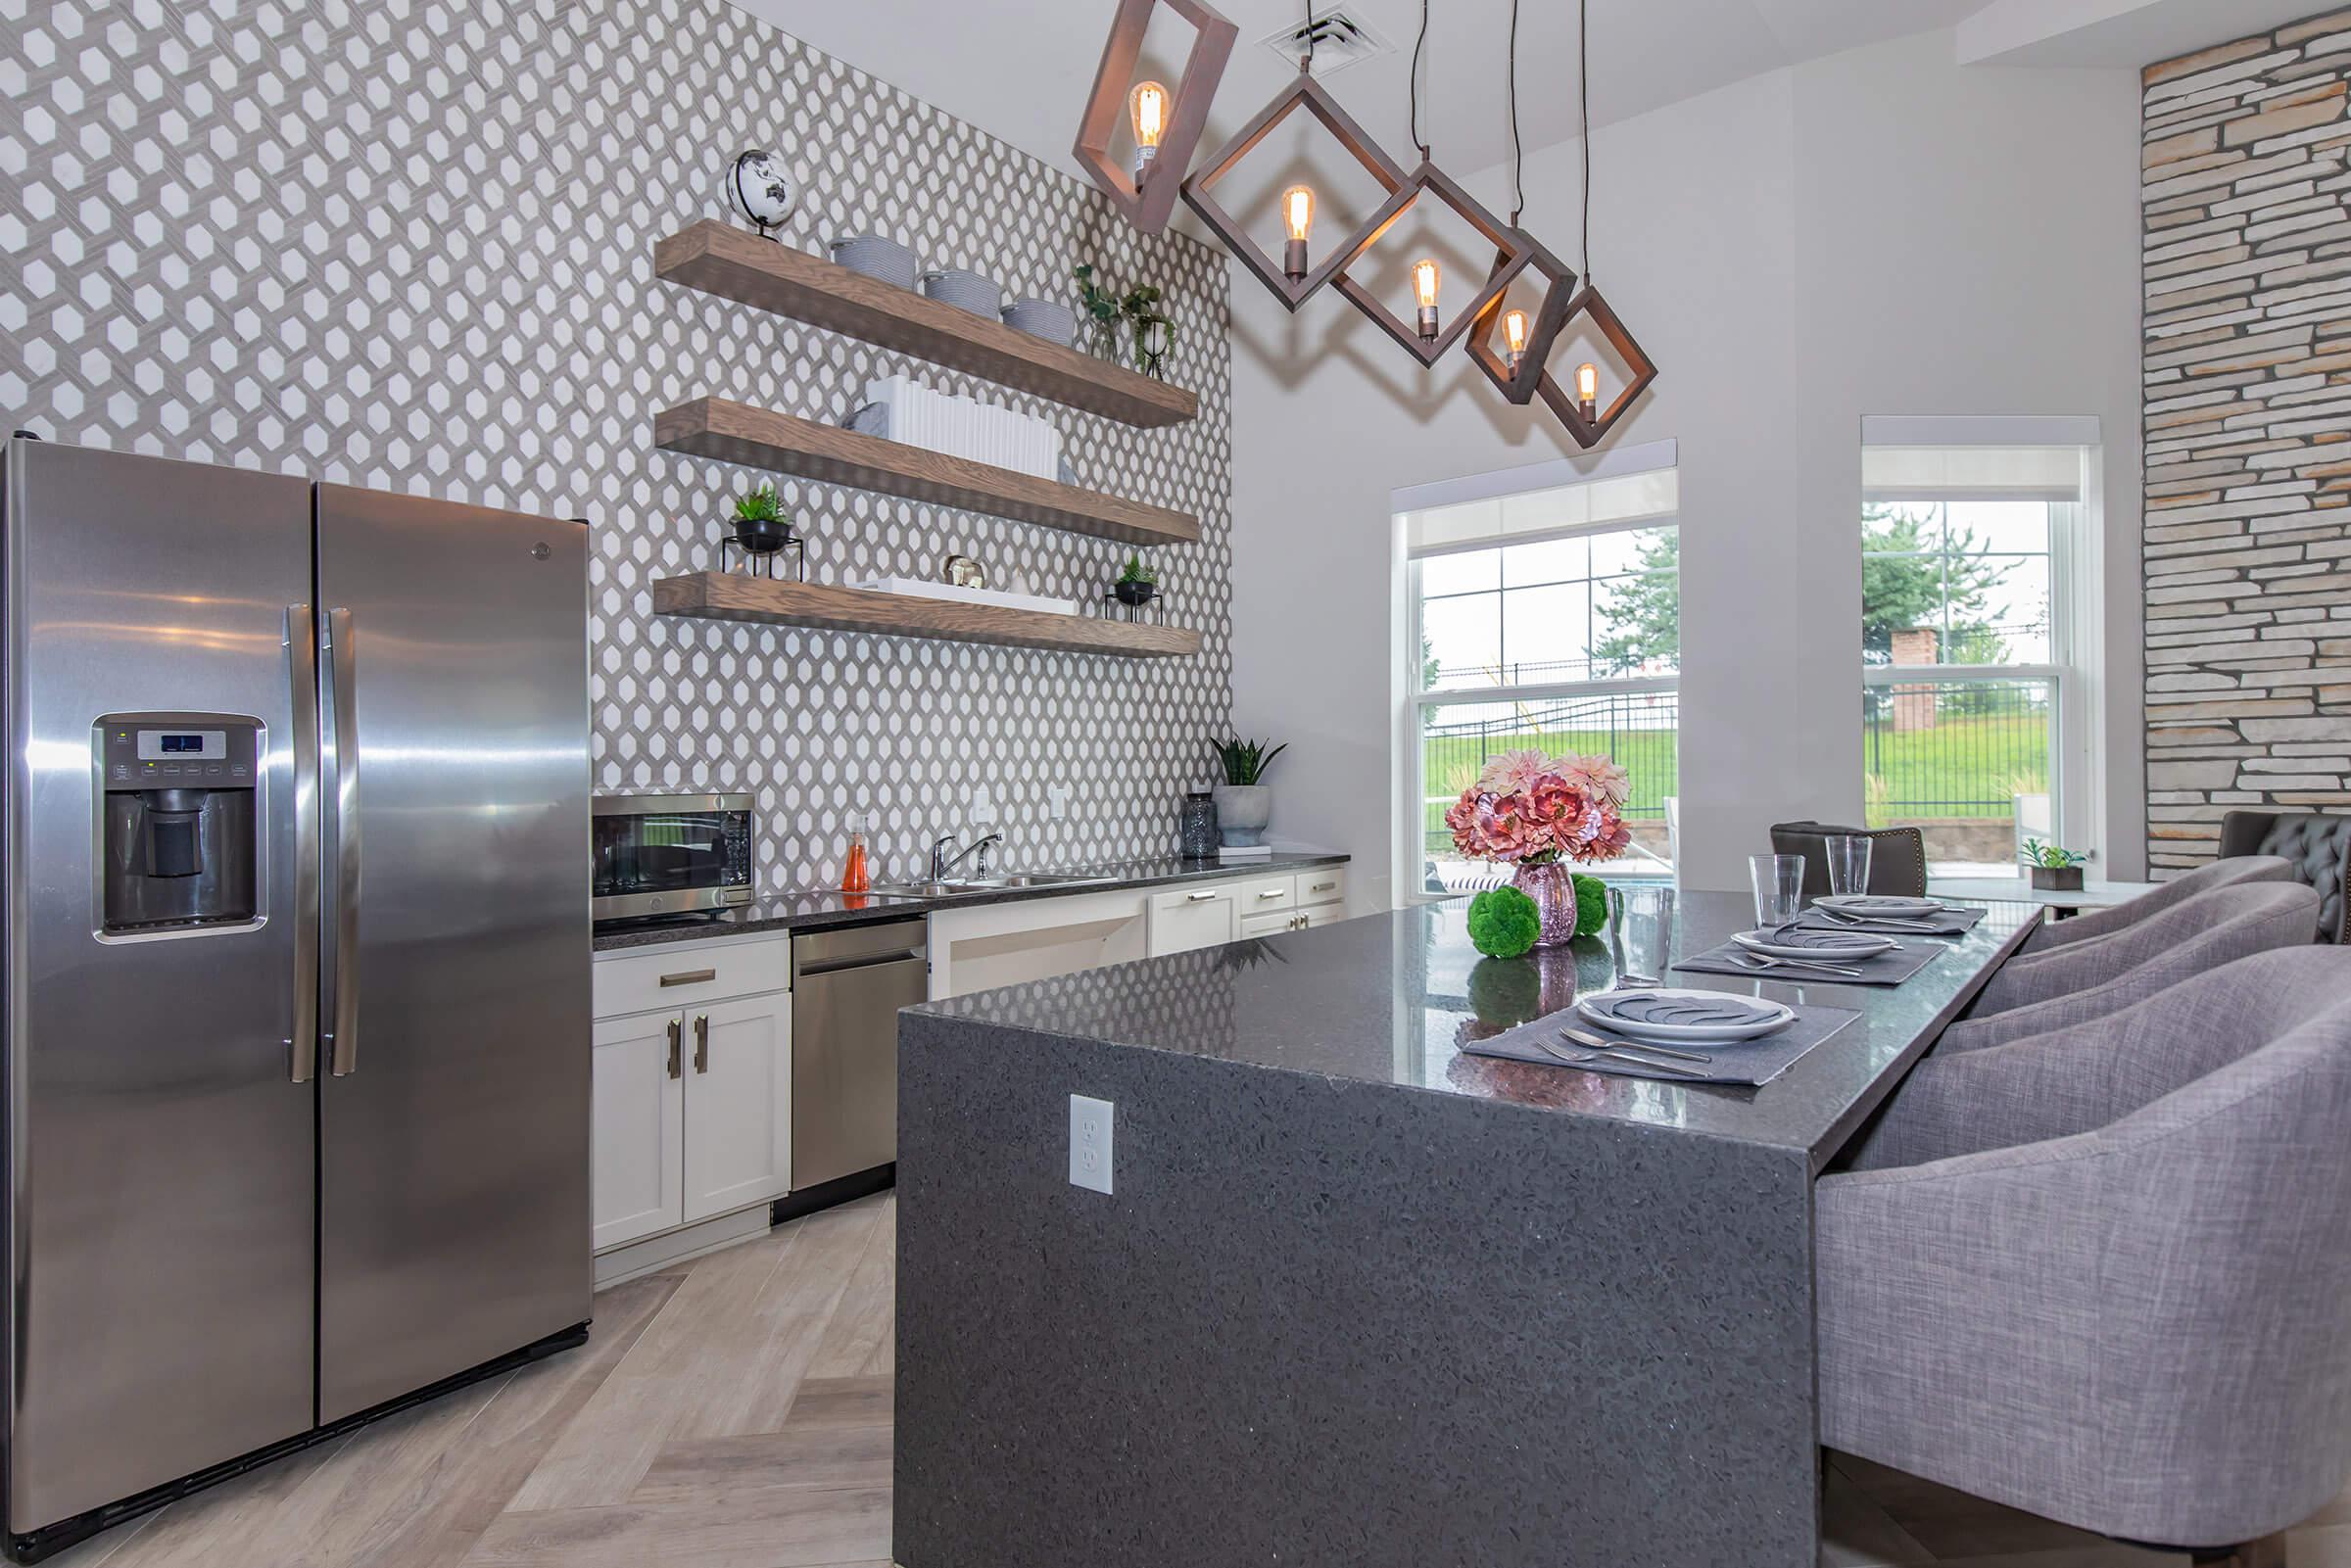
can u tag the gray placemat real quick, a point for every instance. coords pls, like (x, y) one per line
(1880, 968)
(1746, 1062)
(1950, 923)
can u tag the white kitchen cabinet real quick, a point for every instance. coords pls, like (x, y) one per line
(638, 1127)
(980, 948)
(738, 1104)
(1186, 919)
(692, 1085)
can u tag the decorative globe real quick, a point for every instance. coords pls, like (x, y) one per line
(758, 186)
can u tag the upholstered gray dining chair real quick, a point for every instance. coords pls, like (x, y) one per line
(2317, 846)
(2103, 1274)
(1897, 856)
(2106, 921)
(2280, 914)
(2235, 927)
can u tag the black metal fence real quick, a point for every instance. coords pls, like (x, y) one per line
(1640, 731)
(1935, 749)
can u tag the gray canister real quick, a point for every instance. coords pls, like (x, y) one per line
(1196, 828)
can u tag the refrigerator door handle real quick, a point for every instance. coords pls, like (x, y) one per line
(343, 680)
(302, 673)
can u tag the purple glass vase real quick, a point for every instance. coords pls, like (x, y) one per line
(1553, 889)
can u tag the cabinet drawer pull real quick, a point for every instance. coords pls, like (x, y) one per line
(1271, 892)
(688, 977)
(1323, 888)
(677, 1043)
(1199, 898)
(702, 1042)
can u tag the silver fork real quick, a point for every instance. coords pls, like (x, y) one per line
(1880, 922)
(1763, 960)
(1578, 1059)
(1596, 1043)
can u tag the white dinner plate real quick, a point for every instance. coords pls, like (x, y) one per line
(1670, 1014)
(1885, 906)
(1814, 942)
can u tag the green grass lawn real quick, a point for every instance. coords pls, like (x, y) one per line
(1962, 767)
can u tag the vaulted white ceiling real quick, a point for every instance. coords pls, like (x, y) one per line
(1019, 69)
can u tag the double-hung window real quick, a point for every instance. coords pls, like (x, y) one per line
(1545, 618)
(1978, 637)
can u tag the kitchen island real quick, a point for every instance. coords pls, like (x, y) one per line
(1357, 1296)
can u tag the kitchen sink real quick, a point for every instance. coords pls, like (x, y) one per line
(973, 886)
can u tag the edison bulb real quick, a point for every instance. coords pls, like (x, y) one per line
(1147, 108)
(1587, 388)
(1298, 220)
(1513, 338)
(1426, 278)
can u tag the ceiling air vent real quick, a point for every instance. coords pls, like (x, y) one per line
(1339, 41)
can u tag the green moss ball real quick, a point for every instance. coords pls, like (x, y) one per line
(1504, 922)
(1590, 906)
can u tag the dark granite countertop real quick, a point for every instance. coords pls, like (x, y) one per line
(820, 908)
(1389, 999)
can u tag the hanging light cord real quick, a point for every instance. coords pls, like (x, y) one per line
(1418, 45)
(1583, 96)
(1517, 147)
(1306, 34)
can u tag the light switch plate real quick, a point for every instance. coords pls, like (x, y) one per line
(1089, 1143)
(1057, 801)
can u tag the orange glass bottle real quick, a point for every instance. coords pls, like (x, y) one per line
(856, 877)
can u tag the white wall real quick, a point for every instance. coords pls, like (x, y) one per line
(1879, 232)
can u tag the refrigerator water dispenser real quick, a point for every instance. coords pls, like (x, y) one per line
(177, 829)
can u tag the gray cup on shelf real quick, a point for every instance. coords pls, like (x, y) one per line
(966, 290)
(1048, 320)
(878, 257)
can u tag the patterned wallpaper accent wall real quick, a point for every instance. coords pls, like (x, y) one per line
(408, 243)
(2247, 196)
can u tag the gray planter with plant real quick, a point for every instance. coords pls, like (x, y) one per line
(2053, 869)
(1244, 805)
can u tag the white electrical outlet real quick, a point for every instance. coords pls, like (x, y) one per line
(1057, 801)
(1089, 1143)
(983, 807)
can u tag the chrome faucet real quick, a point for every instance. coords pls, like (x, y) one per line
(944, 865)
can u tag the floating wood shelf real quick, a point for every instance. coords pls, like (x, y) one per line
(713, 427)
(737, 264)
(734, 596)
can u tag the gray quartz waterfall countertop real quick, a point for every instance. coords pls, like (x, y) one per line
(1354, 1294)
(816, 909)
(1391, 999)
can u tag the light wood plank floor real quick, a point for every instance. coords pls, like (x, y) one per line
(734, 1413)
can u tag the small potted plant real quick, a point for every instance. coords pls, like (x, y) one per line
(1103, 310)
(761, 525)
(1244, 805)
(1154, 332)
(1137, 584)
(2054, 869)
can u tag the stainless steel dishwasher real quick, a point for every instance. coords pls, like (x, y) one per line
(846, 989)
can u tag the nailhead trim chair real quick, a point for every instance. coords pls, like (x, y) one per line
(2280, 914)
(1897, 856)
(2103, 1274)
(2079, 983)
(2317, 846)
(2106, 921)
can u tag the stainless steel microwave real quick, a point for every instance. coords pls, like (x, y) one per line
(671, 854)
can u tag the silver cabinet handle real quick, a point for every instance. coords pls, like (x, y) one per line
(1271, 892)
(302, 678)
(1199, 898)
(688, 977)
(342, 681)
(677, 1044)
(702, 1042)
(1324, 888)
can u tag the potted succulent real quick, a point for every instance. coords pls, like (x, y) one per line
(1137, 584)
(1244, 805)
(2054, 869)
(761, 525)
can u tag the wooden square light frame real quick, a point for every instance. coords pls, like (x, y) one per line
(1550, 316)
(1151, 202)
(1590, 433)
(1308, 94)
(1514, 250)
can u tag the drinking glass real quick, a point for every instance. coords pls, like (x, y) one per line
(1779, 881)
(1849, 863)
(1641, 931)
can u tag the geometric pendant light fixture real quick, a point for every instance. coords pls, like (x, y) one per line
(1301, 272)
(1431, 335)
(1512, 347)
(1166, 126)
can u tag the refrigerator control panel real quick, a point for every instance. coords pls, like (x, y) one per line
(193, 751)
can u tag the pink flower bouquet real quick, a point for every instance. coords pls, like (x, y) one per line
(1527, 809)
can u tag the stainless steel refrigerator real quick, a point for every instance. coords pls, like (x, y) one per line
(296, 979)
